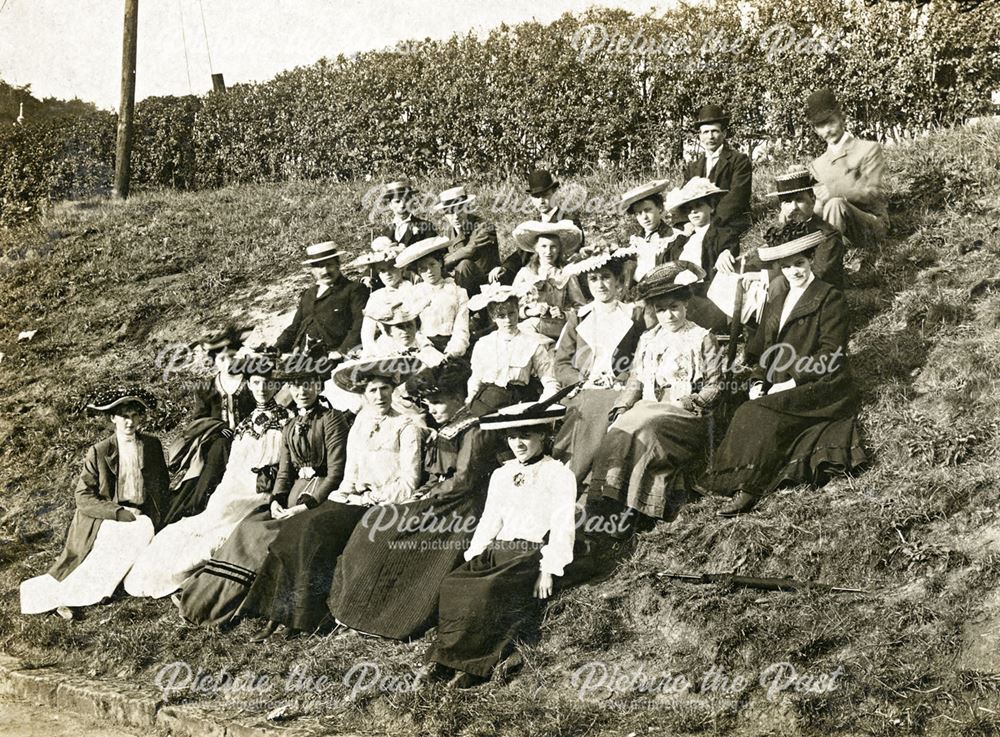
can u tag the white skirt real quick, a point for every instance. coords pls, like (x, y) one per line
(115, 549)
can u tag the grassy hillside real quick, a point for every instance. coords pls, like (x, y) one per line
(107, 285)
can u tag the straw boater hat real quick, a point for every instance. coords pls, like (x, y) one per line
(527, 234)
(696, 188)
(595, 256)
(791, 239)
(320, 253)
(383, 250)
(822, 105)
(540, 181)
(527, 414)
(710, 114)
(794, 180)
(491, 293)
(643, 192)
(455, 198)
(673, 277)
(391, 309)
(107, 399)
(352, 376)
(416, 251)
(400, 185)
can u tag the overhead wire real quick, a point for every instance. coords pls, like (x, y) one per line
(187, 61)
(204, 29)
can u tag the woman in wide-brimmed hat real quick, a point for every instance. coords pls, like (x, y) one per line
(179, 548)
(595, 351)
(380, 262)
(799, 425)
(509, 364)
(523, 542)
(659, 424)
(442, 304)
(388, 576)
(653, 228)
(121, 497)
(383, 466)
(311, 465)
(547, 292)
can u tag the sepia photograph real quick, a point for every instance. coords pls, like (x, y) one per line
(536, 368)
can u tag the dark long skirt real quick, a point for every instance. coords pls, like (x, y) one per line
(294, 581)
(191, 497)
(215, 591)
(388, 576)
(584, 430)
(646, 455)
(484, 606)
(781, 439)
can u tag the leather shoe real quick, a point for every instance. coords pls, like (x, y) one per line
(742, 504)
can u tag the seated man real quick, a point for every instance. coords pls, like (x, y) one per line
(405, 228)
(849, 175)
(724, 167)
(475, 251)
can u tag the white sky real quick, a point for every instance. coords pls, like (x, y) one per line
(72, 48)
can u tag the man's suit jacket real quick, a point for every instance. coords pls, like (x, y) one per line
(717, 239)
(334, 319)
(732, 171)
(416, 230)
(97, 497)
(855, 172)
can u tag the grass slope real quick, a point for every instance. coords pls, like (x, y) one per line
(108, 284)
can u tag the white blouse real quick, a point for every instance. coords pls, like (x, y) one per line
(384, 458)
(528, 502)
(504, 359)
(602, 326)
(669, 364)
(692, 249)
(444, 311)
(792, 299)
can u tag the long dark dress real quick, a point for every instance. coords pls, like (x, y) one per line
(314, 441)
(295, 579)
(387, 578)
(803, 434)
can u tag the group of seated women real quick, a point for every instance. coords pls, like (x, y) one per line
(441, 474)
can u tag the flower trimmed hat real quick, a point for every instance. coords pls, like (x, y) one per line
(791, 239)
(353, 376)
(797, 179)
(451, 376)
(594, 257)
(259, 361)
(673, 277)
(643, 192)
(383, 250)
(696, 188)
(492, 293)
(391, 309)
(108, 399)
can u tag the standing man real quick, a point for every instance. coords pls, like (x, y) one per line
(476, 251)
(330, 312)
(849, 174)
(542, 189)
(405, 228)
(724, 167)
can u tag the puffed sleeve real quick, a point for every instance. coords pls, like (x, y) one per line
(543, 367)
(355, 450)
(410, 468)
(711, 367)
(491, 520)
(557, 553)
(480, 356)
(458, 343)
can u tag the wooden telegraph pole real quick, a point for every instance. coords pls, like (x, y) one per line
(126, 110)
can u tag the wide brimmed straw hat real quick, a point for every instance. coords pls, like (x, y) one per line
(673, 277)
(794, 180)
(107, 399)
(353, 376)
(383, 250)
(791, 239)
(527, 234)
(391, 309)
(416, 251)
(492, 293)
(696, 188)
(528, 414)
(595, 256)
(455, 198)
(643, 192)
(320, 253)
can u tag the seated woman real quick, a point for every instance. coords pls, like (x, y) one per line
(311, 465)
(383, 467)
(198, 458)
(380, 261)
(442, 305)
(178, 549)
(547, 292)
(121, 497)
(659, 423)
(799, 425)
(652, 232)
(595, 350)
(387, 578)
(509, 364)
(522, 542)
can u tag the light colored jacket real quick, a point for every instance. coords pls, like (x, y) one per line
(855, 171)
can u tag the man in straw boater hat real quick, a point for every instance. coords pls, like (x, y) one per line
(543, 191)
(475, 251)
(330, 312)
(724, 166)
(442, 305)
(121, 496)
(405, 227)
(523, 542)
(799, 425)
(849, 176)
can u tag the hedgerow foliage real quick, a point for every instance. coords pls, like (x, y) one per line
(605, 89)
